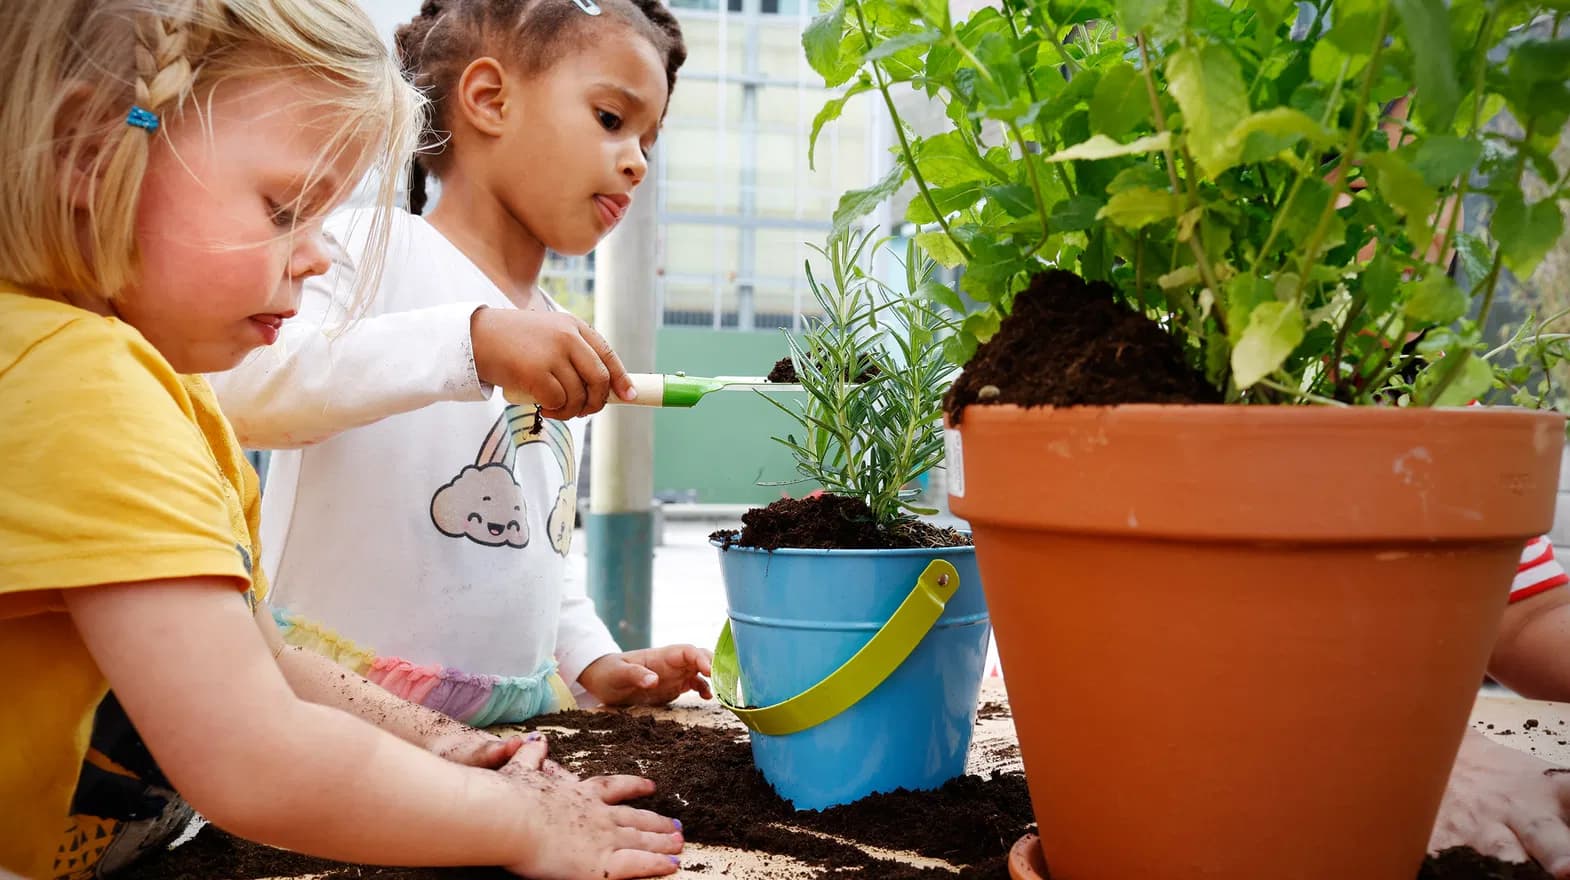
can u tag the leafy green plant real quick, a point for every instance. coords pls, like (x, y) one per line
(874, 374)
(1275, 182)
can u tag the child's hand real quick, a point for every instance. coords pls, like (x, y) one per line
(1507, 804)
(555, 357)
(583, 833)
(476, 748)
(649, 677)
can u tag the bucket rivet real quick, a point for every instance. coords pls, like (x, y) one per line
(943, 580)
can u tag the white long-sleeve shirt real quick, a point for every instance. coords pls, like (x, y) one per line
(414, 524)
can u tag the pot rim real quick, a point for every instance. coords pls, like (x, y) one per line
(882, 553)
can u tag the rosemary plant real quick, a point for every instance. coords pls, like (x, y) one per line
(874, 374)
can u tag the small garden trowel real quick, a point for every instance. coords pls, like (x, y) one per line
(674, 389)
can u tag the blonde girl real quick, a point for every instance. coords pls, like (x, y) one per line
(164, 169)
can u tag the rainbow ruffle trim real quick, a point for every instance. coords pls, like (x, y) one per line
(476, 699)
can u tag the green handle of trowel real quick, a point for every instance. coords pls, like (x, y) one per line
(856, 677)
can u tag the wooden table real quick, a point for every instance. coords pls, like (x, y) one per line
(996, 748)
(1507, 719)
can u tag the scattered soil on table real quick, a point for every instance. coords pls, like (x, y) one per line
(1461, 863)
(706, 779)
(1067, 343)
(989, 711)
(830, 522)
(785, 372)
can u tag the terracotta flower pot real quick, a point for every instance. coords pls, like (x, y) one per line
(1242, 642)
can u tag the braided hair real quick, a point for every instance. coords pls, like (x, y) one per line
(447, 35)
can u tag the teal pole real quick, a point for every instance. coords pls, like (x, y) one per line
(619, 528)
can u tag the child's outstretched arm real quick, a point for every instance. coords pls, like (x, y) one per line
(203, 691)
(338, 366)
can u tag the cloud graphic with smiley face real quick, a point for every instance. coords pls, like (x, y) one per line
(484, 504)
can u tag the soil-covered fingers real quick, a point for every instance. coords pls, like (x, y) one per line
(626, 864)
(616, 789)
(1547, 839)
(574, 391)
(530, 756)
(592, 370)
(616, 371)
(649, 841)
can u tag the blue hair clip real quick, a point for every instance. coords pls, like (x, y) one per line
(139, 118)
(588, 6)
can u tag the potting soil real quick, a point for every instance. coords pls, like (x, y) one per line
(784, 371)
(831, 522)
(1067, 343)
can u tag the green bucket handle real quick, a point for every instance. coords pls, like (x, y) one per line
(858, 676)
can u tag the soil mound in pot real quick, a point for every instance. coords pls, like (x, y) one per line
(830, 522)
(1068, 343)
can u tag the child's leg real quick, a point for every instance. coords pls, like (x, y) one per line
(123, 806)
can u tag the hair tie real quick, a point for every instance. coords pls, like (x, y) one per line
(588, 6)
(140, 118)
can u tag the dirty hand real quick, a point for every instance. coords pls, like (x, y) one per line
(649, 677)
(476, 748)
(557, 358)
(581, 829)
(1507, 804)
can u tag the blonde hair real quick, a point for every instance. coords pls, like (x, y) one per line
(95, 59)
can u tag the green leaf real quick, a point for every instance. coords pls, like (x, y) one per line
(897, 44)
(1073, 215)
(1433, 299)
(859, 203)
(1526, 233)
(1327, 61)
(822, 38)
(1476, 258)
(1158, 16)
(1120, 102)
(1400, 185)
(1135, 208)
(1014, 199)
(1274, 330)
(948, 199)
(1380, 282)
(1145, 175)
(830, 112)
(940, 293)
(1244, 294)
(1442, 158)
(946, 160)
(1264, 135)
(1208, 85)
(1303, 213)
(1541, 61)
(933, 12)
(1102, 147)
(1425, 24)
(1473, 381)
(940, 247)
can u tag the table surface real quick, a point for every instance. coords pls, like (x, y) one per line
(1542, 729)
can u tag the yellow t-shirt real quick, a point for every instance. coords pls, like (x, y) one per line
(113, 469)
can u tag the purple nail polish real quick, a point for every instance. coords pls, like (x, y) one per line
(533, 737)
(675, 861)
(678, 824)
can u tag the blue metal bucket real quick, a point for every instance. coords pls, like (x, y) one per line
(797, 615)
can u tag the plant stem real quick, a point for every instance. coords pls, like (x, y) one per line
(1035, 182)
(1480, 53)
(1300, 395)
(1201, 259)
(1344, 169)
(904, 141)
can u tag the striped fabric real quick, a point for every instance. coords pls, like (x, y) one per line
(1539, 571)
